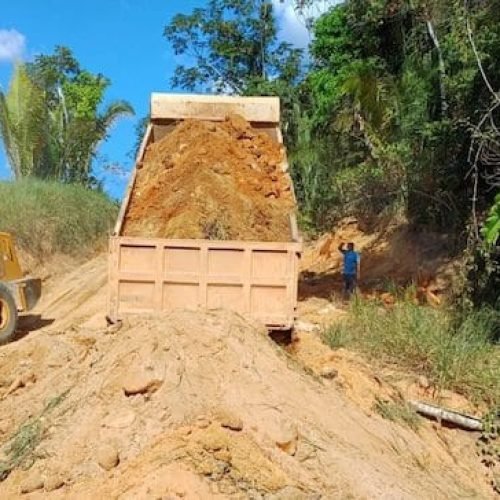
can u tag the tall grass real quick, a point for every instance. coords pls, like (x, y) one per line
(454, 353)
(50, 217)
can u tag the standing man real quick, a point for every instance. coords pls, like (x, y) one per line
(352, 268)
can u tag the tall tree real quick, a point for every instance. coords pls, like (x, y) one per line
(231, 46)
(78, 123)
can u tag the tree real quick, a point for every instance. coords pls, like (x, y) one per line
(76, 121)
(233, 46)
(52, 119)
(22, 123)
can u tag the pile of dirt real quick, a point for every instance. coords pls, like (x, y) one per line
(197, 405)
(212, 181)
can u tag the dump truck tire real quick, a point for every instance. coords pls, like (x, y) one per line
(8, 315)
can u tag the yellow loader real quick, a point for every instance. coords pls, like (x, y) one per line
(17, 293)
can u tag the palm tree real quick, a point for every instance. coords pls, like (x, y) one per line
(371, 104)
(371, 111)
(50, 138)
(80, 137)
(73, 140)
(22, 123)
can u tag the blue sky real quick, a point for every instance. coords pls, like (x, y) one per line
(121, 39)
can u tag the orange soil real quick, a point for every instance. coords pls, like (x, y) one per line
(212, 181)
(222, 413)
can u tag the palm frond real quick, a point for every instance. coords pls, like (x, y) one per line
(22, 122)
(114, 111)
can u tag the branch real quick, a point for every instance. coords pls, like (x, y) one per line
(476, 53)
(200, 57)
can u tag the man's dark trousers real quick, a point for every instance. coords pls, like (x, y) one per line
(350, 283)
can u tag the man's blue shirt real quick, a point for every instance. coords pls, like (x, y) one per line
(351, 259)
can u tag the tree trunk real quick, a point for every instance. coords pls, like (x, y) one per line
(442, 69)
(366, 137)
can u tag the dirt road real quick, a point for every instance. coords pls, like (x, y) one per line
(199, 405)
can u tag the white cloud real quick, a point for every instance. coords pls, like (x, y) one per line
(12, 45)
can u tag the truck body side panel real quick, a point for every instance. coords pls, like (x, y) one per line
(255, 279)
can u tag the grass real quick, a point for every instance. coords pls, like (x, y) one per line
(215, 229)
(49, 217)
(22, 446)
(397, 411)
(20, 449)
(336, 337)
(453, 353)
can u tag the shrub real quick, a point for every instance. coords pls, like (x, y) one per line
(455, 353)
(50, 217)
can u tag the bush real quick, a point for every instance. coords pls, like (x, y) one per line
(49, 217)
(454, 353)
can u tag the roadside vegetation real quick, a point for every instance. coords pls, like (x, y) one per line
(48, 217)
(53, 119)
(460, 353)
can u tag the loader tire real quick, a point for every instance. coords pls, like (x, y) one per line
(8, 315)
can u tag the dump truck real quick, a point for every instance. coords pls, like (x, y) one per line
(257, 279)
(18, 294)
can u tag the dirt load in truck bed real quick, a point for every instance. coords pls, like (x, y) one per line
(212, 180)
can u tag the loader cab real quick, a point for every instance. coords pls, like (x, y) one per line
(10, 268)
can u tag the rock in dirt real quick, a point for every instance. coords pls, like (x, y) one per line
(32, 483)
(107, 456)
(230, 421)
(203, 422)
(53, 482)
(287, 438)
(328, 371)
(114, 327)
(141, 382)
(423, 382)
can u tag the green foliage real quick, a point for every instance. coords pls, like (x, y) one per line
(479, 283)
(393, 87)
(21, 447)
(52, 121)
(453, 352)
(22, 123)
(49, 217)
(234, 46)
(491, 230)
(84, 93)
(401, 114)
(335, 337)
